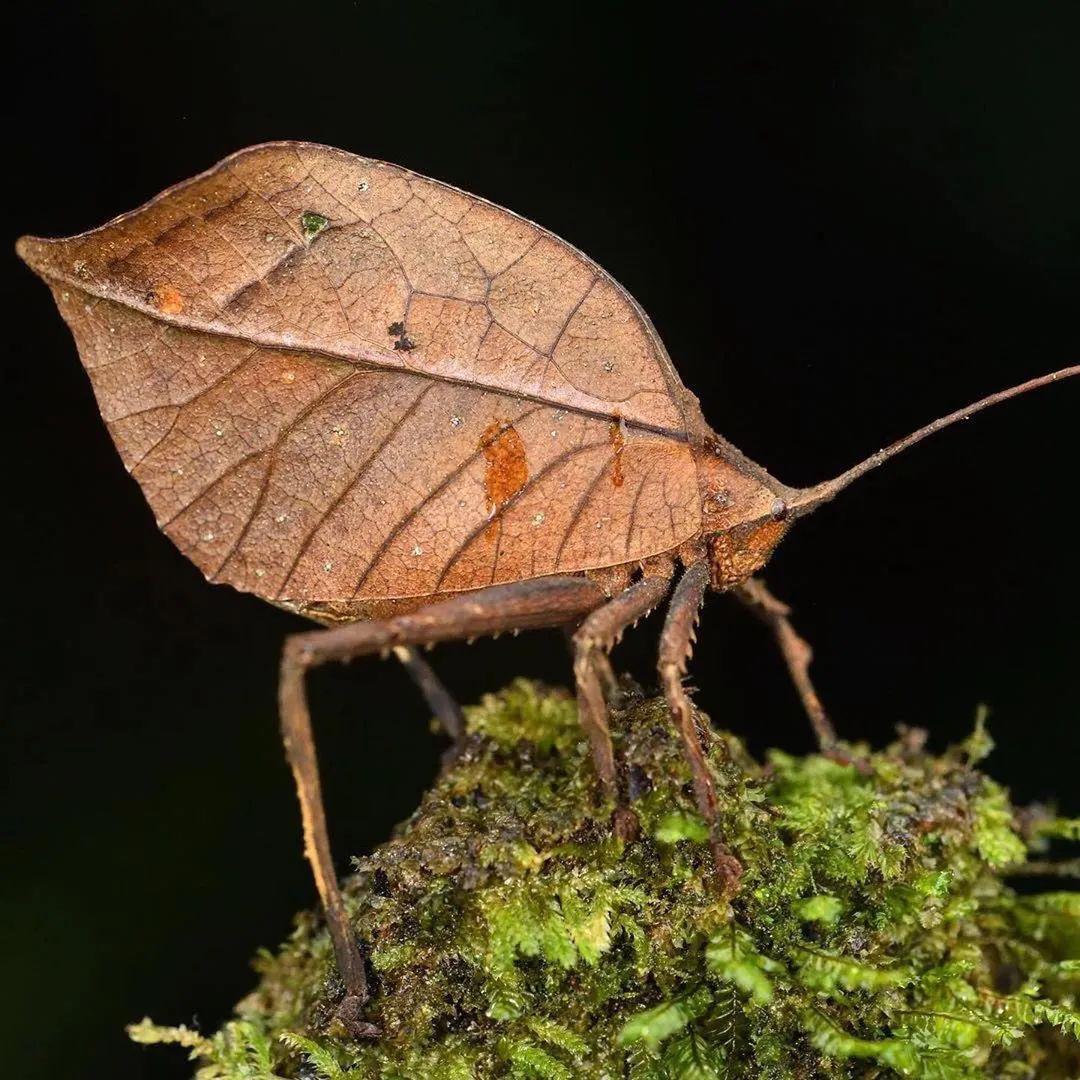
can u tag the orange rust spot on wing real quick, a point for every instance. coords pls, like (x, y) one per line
(507, 465)
(167, 299)
(618, 444)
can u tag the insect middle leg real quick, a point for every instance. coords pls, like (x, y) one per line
(593, 640)
(525, 605)
(439, 700)
(796, 652)
(676, 645)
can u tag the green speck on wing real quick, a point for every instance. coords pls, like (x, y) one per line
(312, 224)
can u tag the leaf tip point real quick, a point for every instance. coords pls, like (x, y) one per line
(31, 249)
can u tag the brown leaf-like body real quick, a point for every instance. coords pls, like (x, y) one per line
(345, 387)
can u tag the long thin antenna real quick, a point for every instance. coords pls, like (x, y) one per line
(807, 499)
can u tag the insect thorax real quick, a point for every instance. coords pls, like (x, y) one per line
(743, 512)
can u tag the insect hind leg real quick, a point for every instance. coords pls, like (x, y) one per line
(525, 605)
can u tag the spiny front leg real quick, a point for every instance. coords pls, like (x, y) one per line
(593, 640)
(795, 650)
(676, 644)
(525, 605)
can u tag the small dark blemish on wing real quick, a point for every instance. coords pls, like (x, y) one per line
(403, 343)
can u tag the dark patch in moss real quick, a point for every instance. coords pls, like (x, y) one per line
(510, 934)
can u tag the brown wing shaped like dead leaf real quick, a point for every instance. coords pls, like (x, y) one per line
(339, 382)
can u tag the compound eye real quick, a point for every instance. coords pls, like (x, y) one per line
(779, 510)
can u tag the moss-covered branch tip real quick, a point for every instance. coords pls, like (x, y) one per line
(510, 935)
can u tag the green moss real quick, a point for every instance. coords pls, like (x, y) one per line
(511, 935)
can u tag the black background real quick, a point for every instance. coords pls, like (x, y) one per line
(844, 219)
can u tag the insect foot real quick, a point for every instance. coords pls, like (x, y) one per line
(728, 869)
(510, 939)
(350, 1014)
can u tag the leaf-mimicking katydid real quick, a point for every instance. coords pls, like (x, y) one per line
(413, 416)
